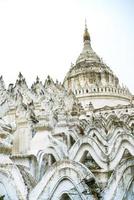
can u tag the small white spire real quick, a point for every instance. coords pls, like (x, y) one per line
(85, 24)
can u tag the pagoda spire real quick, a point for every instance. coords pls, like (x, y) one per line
(85, 23)
(86, 36)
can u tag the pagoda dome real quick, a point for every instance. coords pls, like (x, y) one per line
(91, 80)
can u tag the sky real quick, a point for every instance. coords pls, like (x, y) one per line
(40, 37)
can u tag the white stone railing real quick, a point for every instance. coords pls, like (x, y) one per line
(103, 91)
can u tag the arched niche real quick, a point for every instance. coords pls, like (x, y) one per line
(88, 161)
(71, 190)
(84, 145)
(65, 196)
(46, 161)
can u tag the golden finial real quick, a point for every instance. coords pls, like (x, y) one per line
(86, 35)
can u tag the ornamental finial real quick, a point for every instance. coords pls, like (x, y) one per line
(86, 35)
(85, 23)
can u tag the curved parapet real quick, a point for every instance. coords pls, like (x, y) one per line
(99, 135)
(119, 189)
(88, 144)
(11, 188)
(65, 177)
(107, 157)
(118, 147)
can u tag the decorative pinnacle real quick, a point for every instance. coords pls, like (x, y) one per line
(37, 79)
(86, 35)
(20, 75)
(85, 24)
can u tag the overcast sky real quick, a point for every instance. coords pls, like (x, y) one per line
(41, 37)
